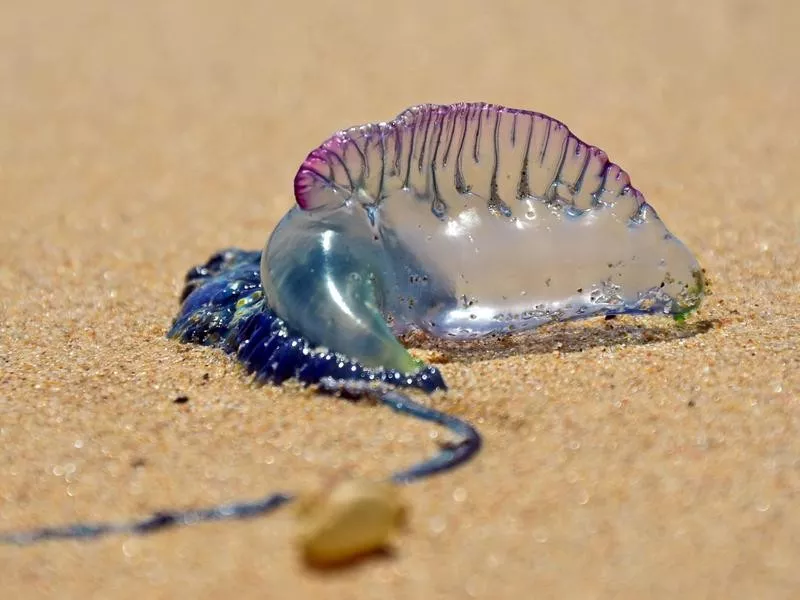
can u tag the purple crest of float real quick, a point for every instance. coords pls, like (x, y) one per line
(428, 140)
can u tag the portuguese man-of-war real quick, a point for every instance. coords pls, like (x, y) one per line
(458, 221)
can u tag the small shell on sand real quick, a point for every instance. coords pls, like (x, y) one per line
(347, 520)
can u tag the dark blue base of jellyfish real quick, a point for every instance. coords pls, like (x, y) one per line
(224, 306)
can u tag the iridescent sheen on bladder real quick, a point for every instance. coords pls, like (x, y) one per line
(461, 221)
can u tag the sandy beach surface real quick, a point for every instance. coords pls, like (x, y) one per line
(633, 458)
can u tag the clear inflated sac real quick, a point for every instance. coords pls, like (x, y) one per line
(462, 221)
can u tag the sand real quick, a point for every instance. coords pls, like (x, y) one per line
(628, 459)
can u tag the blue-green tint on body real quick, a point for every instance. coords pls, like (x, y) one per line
(224, 306)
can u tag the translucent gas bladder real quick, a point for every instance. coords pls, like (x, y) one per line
(462, 221)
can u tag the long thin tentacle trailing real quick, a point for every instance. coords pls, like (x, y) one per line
(449, 457)
(155, 522)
